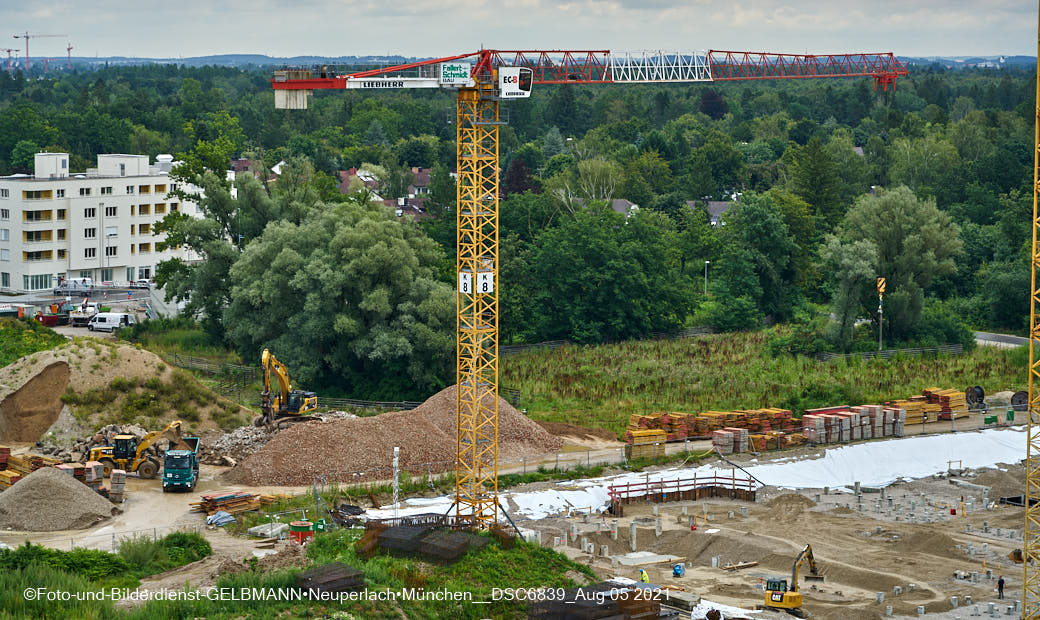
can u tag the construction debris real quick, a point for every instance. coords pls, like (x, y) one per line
(344, 449)
(233, 502)
(48, 500)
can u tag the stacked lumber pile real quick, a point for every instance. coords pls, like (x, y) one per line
(678, 426)
(95, 473)
(953, 403)
(842, 424)
(723, 441)
(232, 502)
(76, 470)
(775, 440)
(117, 485)
(17, 467)
(645, 444)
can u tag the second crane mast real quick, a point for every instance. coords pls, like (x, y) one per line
(484, 78)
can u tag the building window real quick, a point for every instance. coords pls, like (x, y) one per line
(112, 250)
(29, 257)
(174, 207)
(144, 210)
(61, 234)
(89, 252)
(61, 193)
(143, 273)
(5, 193)
(129, 189)
(122, 170)
(133, 210)
(61, 254)
(5, 214)
(173, 187)
(144, 189)
(145, 229)
(89, 213)
(84, 191)
(5, 254)
(89, 233)
(36, 283)
(36, 216)
(33, 236)
(106, 274)
(38, 194)
(160, 209)
(160, 189)
(106, 191)
(5, 280)
(111, 211)
(61, 214)
(144, 248)
(5, 234)
(129, 274)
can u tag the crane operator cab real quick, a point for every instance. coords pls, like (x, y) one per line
(515, 82)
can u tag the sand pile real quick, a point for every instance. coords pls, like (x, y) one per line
(931, 542)
(1001, 483)
(788, 507)
(48, 500)
(426, 436)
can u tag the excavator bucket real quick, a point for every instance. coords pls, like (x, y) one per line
(812, 577)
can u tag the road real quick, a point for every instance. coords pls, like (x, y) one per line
(1004, 341)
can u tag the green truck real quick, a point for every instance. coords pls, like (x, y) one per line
(181, 466)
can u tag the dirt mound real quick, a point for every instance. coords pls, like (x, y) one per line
(27, 413)
(931, 542)
(788, 506)
(104, 382)
(48, 500)
(288, 556)
(426, 436)
(1002, 483)
(849, 613)
(731, 548)
(842, 510)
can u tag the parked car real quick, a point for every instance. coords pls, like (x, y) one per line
(108, 321)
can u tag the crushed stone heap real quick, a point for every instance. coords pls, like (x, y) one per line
(48, 500)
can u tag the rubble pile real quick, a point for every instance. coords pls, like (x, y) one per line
(80, 449)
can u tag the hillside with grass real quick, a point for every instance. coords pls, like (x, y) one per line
(599, 386)
(19, 337)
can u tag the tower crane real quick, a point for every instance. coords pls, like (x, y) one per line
(28, 36)
(482, 79)
(68, 50)
(9, 52)
(1031, 497)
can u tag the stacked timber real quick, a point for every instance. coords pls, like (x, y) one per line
(723, 441)
(645, 444)
(678, 426)
(952, 403)
(232, 502)
(118, 486)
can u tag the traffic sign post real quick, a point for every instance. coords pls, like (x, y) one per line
(880, 310)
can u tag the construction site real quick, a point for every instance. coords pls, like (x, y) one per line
(918, 505)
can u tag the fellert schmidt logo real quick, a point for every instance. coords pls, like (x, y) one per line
(455, 73)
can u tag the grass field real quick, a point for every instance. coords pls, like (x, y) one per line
(599, 386)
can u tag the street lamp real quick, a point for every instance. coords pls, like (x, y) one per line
(706, 277)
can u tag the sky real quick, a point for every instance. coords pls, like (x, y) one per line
(184, 28)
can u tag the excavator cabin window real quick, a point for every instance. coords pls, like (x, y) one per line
(124, 447)
(776, 585)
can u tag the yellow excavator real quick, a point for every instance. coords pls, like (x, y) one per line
(128, 454)
(789, 599)
(288, 405)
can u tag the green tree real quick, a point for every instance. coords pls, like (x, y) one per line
(23, 155)
(349, 300)
(814, 178)
(757, 227)
(853, 269)
(735, 291)
(915, 242)
(604, 277)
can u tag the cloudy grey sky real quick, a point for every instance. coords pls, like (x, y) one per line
(442, 27)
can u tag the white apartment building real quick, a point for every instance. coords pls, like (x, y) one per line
(97, 224)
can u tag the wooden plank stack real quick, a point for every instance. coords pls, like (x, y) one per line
(94, 473)
(233, 502)
(645, 444)
(953, 404)
(678, 426)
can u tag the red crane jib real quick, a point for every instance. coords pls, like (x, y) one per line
(593, 67)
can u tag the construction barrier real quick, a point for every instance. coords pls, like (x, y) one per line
(681, 489)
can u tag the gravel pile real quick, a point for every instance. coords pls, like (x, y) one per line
(236, 445)
(48, 500)
(426, 435)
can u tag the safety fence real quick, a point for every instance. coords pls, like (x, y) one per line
(109, 540)
(951, 349)
(696, 487)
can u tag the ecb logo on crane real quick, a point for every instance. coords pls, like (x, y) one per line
(514, 82)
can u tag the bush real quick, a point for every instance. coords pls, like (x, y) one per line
(21, 337)
(146, 556)
(940, 324)
(36, 575)
(89, 563)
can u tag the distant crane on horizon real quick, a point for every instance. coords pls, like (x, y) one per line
(28, 36)
(69, 51)
(9, 51)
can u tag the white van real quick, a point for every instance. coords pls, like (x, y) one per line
(108, 321)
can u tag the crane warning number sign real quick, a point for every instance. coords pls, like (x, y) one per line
(485, 282)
